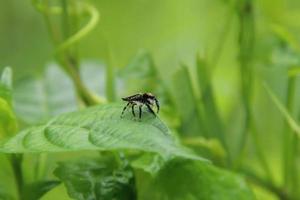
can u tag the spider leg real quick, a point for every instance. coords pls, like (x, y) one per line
(150, 109)
(132, 108)
(157, 104)
(124, 109)
(140, 112)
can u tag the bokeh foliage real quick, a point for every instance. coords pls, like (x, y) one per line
(207, 61)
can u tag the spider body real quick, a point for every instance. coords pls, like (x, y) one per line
(140, 100)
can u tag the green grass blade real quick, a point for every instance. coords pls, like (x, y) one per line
(289, 119)
(212, 117)
(186, 103)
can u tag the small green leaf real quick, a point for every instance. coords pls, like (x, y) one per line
(35, 191)
(213, 145)
(90, 179)
(190, 180)
(8, 121)
(98, 128)
(149, 163)
(6, 85)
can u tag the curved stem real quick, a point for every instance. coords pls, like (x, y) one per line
(69, 61)
(95, 16)
(246, 43)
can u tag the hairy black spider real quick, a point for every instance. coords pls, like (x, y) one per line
(140, 100)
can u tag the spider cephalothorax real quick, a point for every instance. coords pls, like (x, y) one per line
(140, 100)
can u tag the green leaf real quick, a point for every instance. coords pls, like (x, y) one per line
(93, 75)
(140, 73)
(286, 36)
(39, 98)
(213, 145)
(35, 191)
(90, 179)
(98, 128)
(8, 121)
(190, 180)
(141, 66)
(6, 85)
(149, 163)
(59, 193)
(212, 117)
(186, 103)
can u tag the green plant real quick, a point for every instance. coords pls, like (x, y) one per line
(100, 128)
(62, 135)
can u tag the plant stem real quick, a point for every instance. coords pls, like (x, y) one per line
(69, 60)
(213, 119)
(294, 166)
(46, 14)
(40, 166)
(246, 42)
(223, 35)
(82, 92)
(289, 139)
(65, 19)
(259, 151)
(110, 75)
(16, 163)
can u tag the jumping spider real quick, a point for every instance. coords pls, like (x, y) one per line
(140, 100)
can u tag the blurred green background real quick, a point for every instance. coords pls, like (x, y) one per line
(175, 32)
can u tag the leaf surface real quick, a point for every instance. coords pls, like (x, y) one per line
(103, 179)
(98, 128)
(190, 180)
(39, 98)
(8, 121)
(6, 85)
